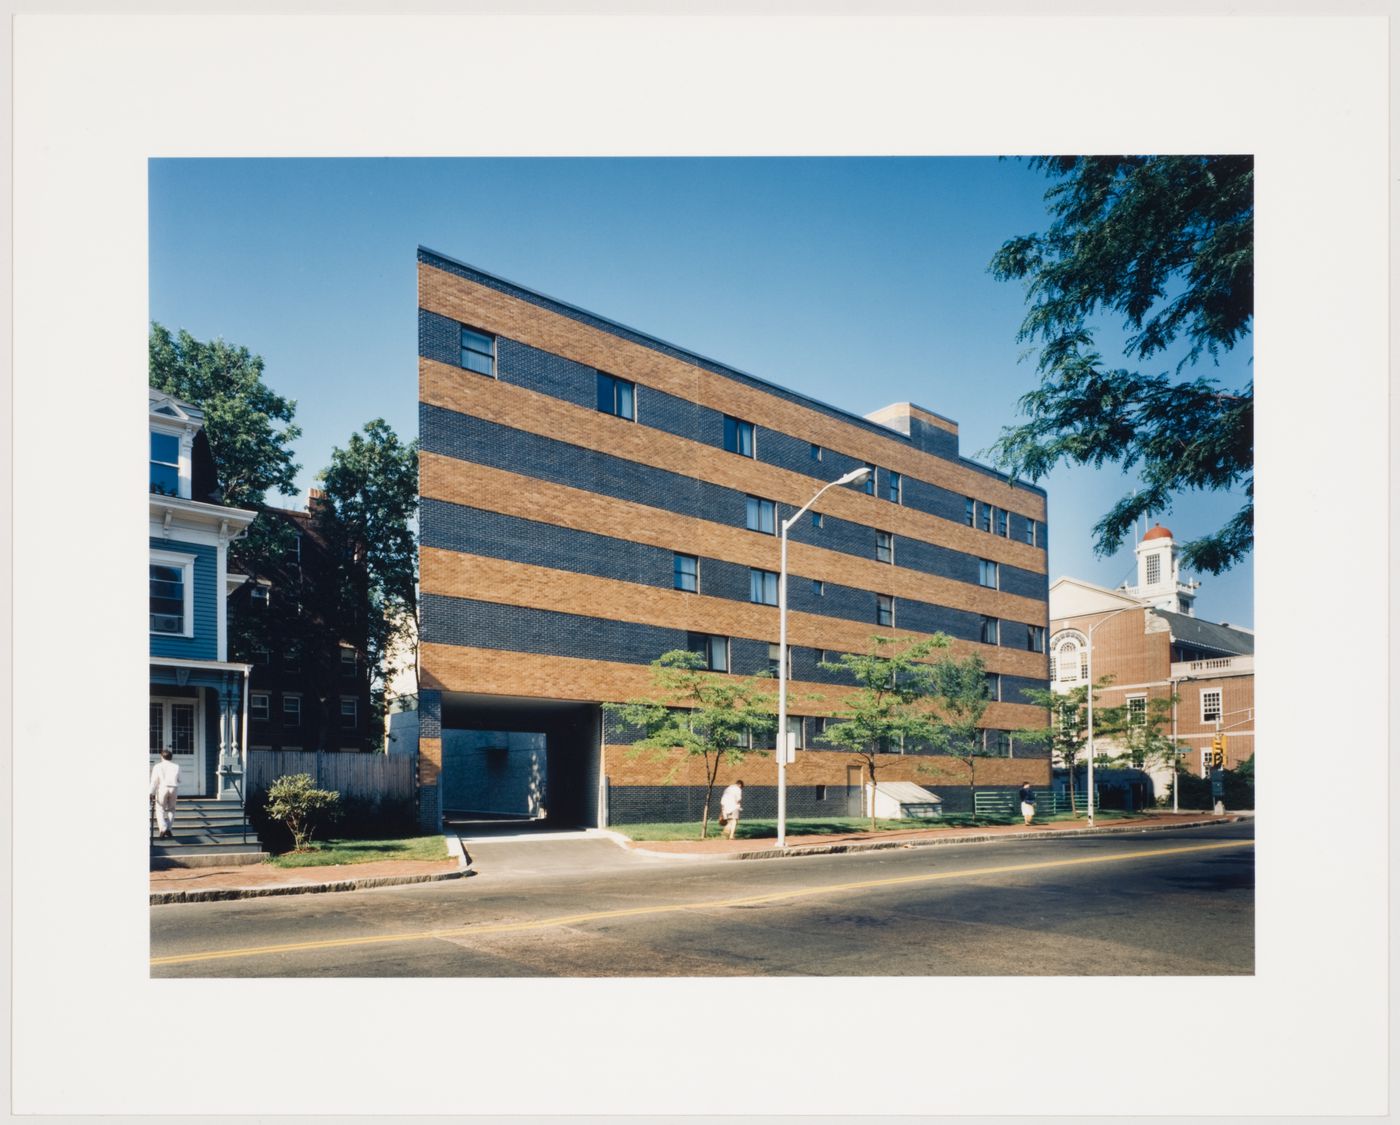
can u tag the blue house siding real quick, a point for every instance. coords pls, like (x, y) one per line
(204, 645)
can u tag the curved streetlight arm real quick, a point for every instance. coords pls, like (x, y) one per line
(782, 739)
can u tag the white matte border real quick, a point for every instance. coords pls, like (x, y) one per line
(95, 96)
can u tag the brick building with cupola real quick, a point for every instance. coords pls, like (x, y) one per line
(1147, 637)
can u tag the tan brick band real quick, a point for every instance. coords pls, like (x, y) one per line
(429, 760)
(625, 765)
(561, 591)
(507, 405)
(504, 315)
(458, 668)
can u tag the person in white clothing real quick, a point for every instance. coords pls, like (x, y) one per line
(730, 802)
(165, 784)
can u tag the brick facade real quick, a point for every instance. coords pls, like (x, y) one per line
(550, 529)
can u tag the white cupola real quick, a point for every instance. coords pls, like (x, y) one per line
(1159, 581)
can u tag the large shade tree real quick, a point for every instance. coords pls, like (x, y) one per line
(1166, 244)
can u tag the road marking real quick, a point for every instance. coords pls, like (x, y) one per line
(708, 904)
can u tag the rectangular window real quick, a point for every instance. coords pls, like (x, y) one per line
(884, 546)
(893, 485)
(991, 631)
(293, 554)
(261, 656)
(759, 515)
(170, 600)
(869, 484)
(715, 650)
(1154, 569)
(795, 728)
(349, 712)
(994, 687)
(773, 660)
(291, 660)
(738, 436)
(970, 511)
(816, 452)
(820, 793)
(1210, 705)
(291, 710)
(260, 595)
(1003, 522)
(1035, 638)
(988, 574)
(687, 573)
(1030, 531)
(984, 516)
(884, 610)
(478, 351)
(819, 587)
(616, 396)
(165, 464)
(349, 664)
(258, 706)
(763, 586)
(1137, 710)
(816, 519)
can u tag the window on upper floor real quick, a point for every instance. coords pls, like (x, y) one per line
(1035, 638)
(260, 595)
(616, 396)
(1137, 710)
(884, 546)
(991, 631)
(478, 351)
(969, 511)
(868, 484)
(349, 663)
(759, 515)
(714, 650)
(258, 706)
(819, 587)
(1003, 522)
(1154, 569)
(1068, 662)
(1211, 709)
(816, 519)
(291, 709)
(884, 610)
(738, 436)
(349, 712)
(686, 573)
(294, 548)
(172, 594)
(773, 660)
(816, 452)
(984, 516)
(763, 586)
(894, 484)
(994, 687)
(165, 464)
(988, 574)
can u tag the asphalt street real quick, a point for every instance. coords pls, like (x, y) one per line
(1153, 903)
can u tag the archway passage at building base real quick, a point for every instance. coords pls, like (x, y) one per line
(524, 761)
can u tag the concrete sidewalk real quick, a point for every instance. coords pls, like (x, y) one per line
(213, 884)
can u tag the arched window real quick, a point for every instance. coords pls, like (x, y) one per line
(1069, 658)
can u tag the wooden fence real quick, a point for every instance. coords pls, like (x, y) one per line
(371, 776)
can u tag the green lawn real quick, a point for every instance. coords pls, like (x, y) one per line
(326, 852)
(832, 826)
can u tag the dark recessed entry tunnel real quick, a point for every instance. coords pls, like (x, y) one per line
(517, 760)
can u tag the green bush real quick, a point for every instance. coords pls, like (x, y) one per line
(1194, 792)
(294, 801)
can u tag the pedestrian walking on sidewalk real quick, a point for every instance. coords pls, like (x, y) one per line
(165, 784)
(731, 801)
(1027, 802)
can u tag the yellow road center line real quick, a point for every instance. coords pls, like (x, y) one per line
(708, 904)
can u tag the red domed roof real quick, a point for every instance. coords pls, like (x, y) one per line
(1157, 532)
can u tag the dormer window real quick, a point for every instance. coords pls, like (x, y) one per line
(165, 464)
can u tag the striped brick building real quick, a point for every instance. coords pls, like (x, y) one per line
(593, 497)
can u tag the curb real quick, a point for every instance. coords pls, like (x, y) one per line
(794, 852)
(222, 894)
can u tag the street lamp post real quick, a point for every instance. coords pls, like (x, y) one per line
(782, 739)
(1089, 702)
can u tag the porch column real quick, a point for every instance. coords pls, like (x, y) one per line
(230, 759)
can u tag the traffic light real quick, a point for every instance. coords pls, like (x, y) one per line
(1217, 751)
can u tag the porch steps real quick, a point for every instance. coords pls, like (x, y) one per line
(208, 832)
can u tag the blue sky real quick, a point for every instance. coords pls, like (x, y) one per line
(858, 281)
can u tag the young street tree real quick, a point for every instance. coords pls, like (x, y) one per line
(1068, 732)
(366, 519)
(961, 689)
(705, 715)
(893, 701)
(1167, 243)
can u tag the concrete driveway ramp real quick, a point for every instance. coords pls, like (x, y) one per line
(520, 851)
